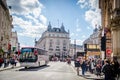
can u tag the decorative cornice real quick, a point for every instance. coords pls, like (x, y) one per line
(4, 5)
(115, 28)
(115, 23)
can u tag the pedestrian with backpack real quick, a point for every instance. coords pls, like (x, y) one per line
(107, 69)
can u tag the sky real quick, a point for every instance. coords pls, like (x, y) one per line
(31, 18)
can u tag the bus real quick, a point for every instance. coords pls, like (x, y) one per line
(33, 57)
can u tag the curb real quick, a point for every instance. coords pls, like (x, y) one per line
(9, 67)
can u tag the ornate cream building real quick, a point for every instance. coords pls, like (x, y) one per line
(5, 27)
(94, 37)
(55, 41)
(93, 44)
(110, 11)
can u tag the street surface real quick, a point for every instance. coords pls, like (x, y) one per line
(53, 71)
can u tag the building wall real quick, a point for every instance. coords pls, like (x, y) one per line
(94, 40)
(14, 41)
(55, 42)
(5, 26)
(110, 11)
(94, 37)
(74, 49)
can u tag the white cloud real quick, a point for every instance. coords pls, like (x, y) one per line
(92, 15)
(78, 29)
(80, 1)
(83, 3)
(27, 15)
(88, 27)
(72, 34)
(90, 4)
(26, 7)
(93, 4)
(29, 29)
(83, 36)
(43, 19)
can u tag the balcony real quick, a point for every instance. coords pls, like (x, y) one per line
(57, 49)
(64, 49)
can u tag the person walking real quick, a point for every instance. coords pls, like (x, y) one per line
(98, 70)
(107, 70)
(92, 66)
(69, 60)
(12, 61)
(83, 67)
(1, 61)
(77, 64)
(115, 66)
(5, 62)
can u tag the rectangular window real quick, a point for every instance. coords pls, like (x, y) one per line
(58, 42)
(51, 43)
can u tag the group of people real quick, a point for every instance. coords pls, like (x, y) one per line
(8, 61)
(109, 67)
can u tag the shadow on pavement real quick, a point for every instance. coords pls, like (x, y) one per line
(34, 68)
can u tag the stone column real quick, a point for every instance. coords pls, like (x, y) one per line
(116, 41)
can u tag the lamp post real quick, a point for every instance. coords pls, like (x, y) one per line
(75, 49)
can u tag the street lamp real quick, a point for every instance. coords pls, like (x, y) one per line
(75, 55)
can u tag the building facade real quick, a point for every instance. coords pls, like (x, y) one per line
(75, 50)
(94, 37)
(55, 41)
(14, 42)
(93, 43)
(5, 27)
(110, 13)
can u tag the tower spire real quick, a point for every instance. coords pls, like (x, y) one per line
(49, 26)
(62, 28)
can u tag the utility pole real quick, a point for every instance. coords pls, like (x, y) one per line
(75, 49)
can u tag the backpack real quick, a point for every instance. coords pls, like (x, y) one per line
(77, 64)
(12, 61)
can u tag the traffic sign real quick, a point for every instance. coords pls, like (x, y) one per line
(108, 51)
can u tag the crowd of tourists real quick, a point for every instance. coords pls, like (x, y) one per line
(5, 62)
(110, 68)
